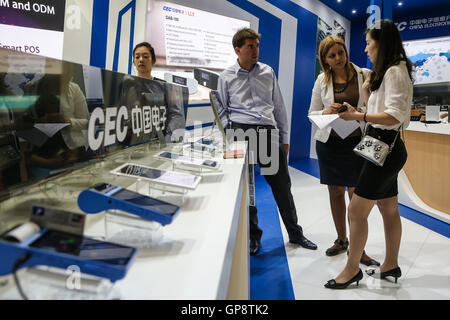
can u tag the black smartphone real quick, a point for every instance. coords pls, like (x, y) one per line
(84, 247)
(342, 108)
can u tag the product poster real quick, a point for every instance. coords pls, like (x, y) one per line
(35, 26)
(339, 30)
(189, 37)
(324, 30)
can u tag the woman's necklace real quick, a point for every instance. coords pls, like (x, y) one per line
(341, 89)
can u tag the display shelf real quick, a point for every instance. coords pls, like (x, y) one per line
(438, 128)
(202, 254)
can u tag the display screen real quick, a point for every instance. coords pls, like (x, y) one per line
(173, 178)
(205, 76)
(430, 59)
(35, 26)
(85, 248)
(146, 202)
(179, 80)
(189, 160)
(185, 36)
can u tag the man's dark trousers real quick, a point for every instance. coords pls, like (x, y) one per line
(280, 184)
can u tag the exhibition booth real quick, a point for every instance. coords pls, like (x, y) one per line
(129, 187)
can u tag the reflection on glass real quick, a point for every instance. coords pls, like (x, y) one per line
(47, 108)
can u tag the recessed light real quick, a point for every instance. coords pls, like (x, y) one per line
(353, 11)
(400, 4)
(339, 1)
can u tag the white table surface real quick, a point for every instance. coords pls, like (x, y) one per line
(194, 258)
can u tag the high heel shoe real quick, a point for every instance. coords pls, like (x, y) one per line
(395, 273)
(332, 284)
(333, 251)
(370, 262)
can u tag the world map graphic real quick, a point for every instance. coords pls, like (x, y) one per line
(430, 59)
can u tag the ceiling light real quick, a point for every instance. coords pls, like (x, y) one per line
(400, 4)
(353, 11)
(339, 1)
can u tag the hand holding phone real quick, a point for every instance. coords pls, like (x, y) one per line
(342, 108)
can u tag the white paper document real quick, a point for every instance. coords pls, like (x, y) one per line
(342, 127)
(50, 129)
(322, 121)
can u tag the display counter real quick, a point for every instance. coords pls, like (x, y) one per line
(428, 165)
(203, 253)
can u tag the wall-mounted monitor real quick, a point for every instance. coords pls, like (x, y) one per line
(430, 59)
(35, 26)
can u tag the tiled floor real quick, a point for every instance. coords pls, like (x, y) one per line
(424, 254)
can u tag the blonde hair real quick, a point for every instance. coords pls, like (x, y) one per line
(326, 45)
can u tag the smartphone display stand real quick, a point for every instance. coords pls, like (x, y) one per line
(172, 194)
(180, 166)
(131, 230)
(48, 283)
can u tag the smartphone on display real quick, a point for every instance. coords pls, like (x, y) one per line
(201, 148)
(105, 196)
(84, 247)
(205, 141)
(61, 249)
(170, 178)
(197, 162)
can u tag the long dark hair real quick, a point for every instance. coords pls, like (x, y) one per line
(390, 50)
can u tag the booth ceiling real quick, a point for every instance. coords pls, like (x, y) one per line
(346, 8)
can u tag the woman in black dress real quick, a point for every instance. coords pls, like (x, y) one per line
(341, 81)
(388, 94)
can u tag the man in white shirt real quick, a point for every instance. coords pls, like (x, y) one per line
(252, 101)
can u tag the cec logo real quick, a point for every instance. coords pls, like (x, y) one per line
(114, 122)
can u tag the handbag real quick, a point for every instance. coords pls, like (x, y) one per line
(374, 150)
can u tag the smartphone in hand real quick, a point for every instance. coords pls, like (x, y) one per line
(342, 108)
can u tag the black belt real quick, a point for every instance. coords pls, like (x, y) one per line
(256, 127)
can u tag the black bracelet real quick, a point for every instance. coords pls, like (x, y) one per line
(365, 113)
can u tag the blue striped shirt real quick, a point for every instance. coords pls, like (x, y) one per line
(252, 97)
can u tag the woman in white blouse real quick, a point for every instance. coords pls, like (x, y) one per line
(388, 95)
(341, 81)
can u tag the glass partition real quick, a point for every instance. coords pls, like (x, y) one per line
(56, 115)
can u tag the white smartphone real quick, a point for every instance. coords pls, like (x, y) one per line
(192, 161)
(170, 178)
(201, 148)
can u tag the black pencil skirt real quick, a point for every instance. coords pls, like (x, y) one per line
(376, 182)
(339, 165)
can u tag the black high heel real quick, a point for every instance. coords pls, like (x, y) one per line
(395, 273)
(332, 284)
(332, 251)
(370, 262)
